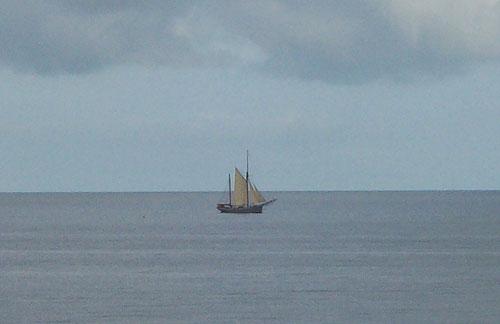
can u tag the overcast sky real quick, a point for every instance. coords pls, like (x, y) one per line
(158, 95)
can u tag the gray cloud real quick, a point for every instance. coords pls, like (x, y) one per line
(333, 41)
(356, 39)
(51, 37)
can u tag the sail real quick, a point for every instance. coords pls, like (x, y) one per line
(240, 189)
(257, 197)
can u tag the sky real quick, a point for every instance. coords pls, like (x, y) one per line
(167, 95)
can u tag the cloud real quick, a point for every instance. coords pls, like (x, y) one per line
(333, 41)
(52, 37)
(358, 40)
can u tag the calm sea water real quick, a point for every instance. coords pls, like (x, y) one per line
(315, 257)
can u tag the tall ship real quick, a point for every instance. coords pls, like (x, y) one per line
(245, 198)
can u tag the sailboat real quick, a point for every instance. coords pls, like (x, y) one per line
(246, 197)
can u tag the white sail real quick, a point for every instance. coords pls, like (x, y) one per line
(240, 189)
(257, 197)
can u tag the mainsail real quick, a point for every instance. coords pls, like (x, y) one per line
(257, 197)
(240, 189)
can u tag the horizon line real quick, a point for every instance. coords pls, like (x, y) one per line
(221, 191)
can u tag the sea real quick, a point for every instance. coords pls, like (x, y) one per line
(310, 257)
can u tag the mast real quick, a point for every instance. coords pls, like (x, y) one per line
(230, 189)
(248, 202)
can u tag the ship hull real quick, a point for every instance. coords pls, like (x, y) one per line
(255, 209)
